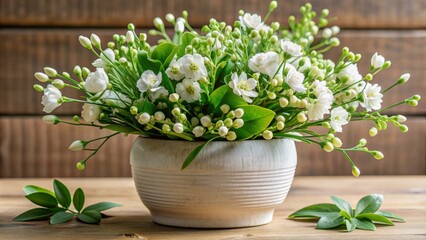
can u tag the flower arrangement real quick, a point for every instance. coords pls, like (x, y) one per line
(229, 83)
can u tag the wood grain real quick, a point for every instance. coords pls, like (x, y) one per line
(404, 195)
(96, 13)
(31, 148)
(27, 51)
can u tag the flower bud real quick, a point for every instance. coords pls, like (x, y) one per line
(179, 27)
(194, 121)
(377, 155)
(131, 26)
(95, 40)
(76, 118)
(355, 171)
(238, 123)
(272, 95)
(268, 135)
(38, 87)
(170, 17)
(416, 97)
(336, 142)
(401, 118)
(404, 78)
(328, 147)
(51, 119)
(206, 121)
(301, 117)
(335, 30)
(198, 131)
(50, 72)
(178, 128)
(144, 118)
(41, 77)
(77, 145)
(133, 110)
(182, 117)
(81, 165)
(412, 102)
(166, 128)
(228, 122)
(403, 128)
(369, 77)
(387, 64)
(58, 83)
(362, 142)
(174, 97)
(85, 42)
(159, 116)
(280, 125)
(77, 70)
(176, 111)
(130, 37)
(334, 42)
(223, 131)
(283, 102)
(85, 71)
(377, 61)
(327, 33)
(372, 132)
(273, 5)
(231, 136)
(239, 113)
(225, 108)
(158, 23)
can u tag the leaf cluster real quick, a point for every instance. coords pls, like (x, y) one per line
(364, 216)
(55, 205)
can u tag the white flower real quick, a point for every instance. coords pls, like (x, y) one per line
(339, 116)
(97, 81)
(116, 98)
(160, 92)
(174, 70)
(266, 63)
(90, 112)
(252, 21)
(377, 61)
(188, 90)
(319, 87)
(352, 72)
(295, 80)
(372, 97)
(243, 86)
(149, 81)
(291, 48)
(193, 67)
(320, 107)
(107, 56)
(50, 99)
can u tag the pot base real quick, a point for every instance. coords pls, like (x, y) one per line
(230, 220)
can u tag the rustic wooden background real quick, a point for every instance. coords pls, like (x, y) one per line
(42, 33)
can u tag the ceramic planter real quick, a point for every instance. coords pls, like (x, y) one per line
(229, 184)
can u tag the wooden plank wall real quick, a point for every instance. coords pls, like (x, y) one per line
(44, 33)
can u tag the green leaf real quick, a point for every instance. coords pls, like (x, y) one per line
(147, 63)
(375, 218)
(166, 82)
(224, 95)
(61, 217)
(350, 226)
(144, 105)
(390, 215)
(91, 217)
(164, 53)
(34, 189)
(34, 215)
(120, 128)
(331, 221)
(369, 204)
(78, 199)
(101, 206)
(62, 193)
(364, 224)
(345, 214)
(186, 40)
(342, 204)
(256, 120)
(43, 199)
(194, 153)
(317, 210)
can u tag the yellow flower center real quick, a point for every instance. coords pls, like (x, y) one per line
(193, 67)
(243, 85)
(190, 89)
(175, 70)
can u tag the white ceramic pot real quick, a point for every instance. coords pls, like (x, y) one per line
(229, 184)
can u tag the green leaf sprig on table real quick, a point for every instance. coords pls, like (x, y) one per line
(56, 205)
(364, 216)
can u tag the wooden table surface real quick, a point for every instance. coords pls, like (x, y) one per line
(404, 195)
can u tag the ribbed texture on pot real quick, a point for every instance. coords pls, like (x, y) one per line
(236, 192)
